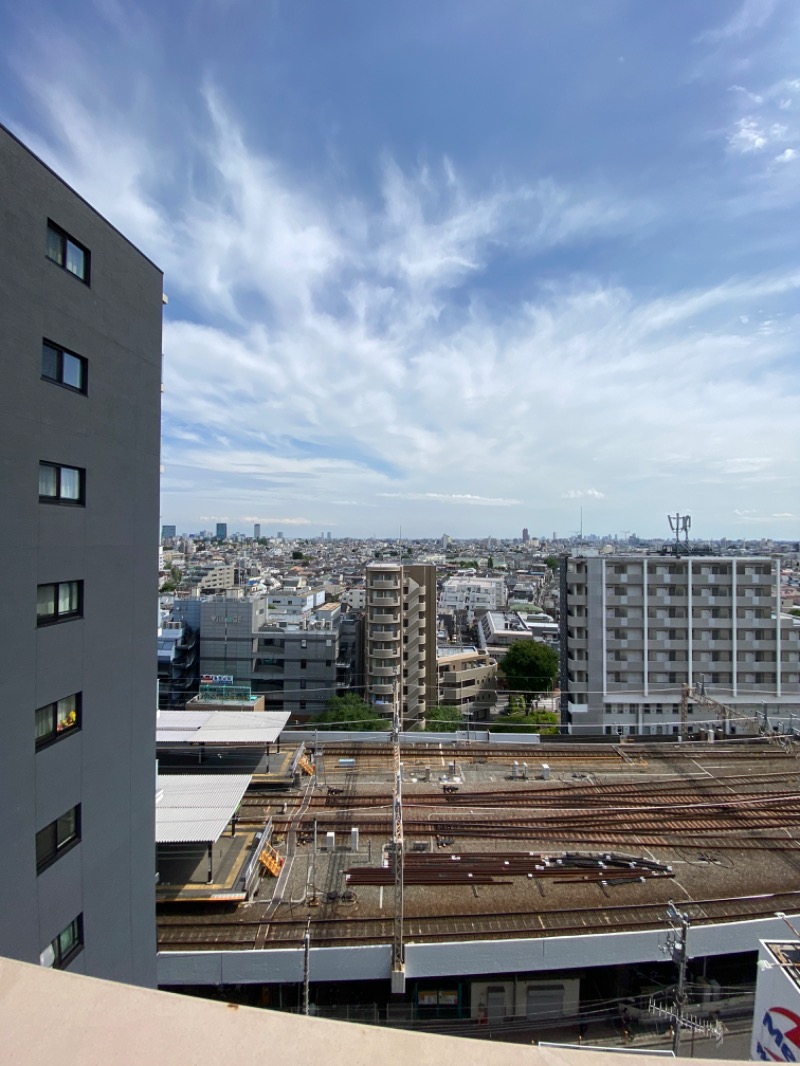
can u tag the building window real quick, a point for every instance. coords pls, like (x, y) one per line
(61, 484)
(57, 838)
(64, 367)
(59, 602)
(65, 947)
(303, 664)
(67, 252)
(58, 720)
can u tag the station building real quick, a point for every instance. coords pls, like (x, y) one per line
(538, 880)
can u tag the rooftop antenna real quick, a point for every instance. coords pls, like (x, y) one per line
(679, 523)
(581, 540)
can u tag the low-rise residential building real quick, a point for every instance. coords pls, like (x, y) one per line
(467, 680)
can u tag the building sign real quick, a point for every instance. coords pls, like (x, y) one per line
(216, 679)
(779, 1040)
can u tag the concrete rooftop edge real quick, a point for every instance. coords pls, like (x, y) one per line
(88, 1021)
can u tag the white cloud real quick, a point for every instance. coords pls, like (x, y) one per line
(333, 351)
(751, 136)
(452, 497)
(270, 521)
(786, 156)
(751, 16)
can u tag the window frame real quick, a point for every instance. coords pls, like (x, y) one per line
(58, 847)
(58, 616)
(62, 259)
(59, 498)
(54, 734)
(59, 379)
(54, 956)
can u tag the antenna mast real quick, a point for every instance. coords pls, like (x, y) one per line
(679, 523)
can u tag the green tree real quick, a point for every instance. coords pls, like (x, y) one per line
(529, 666)
(351, 712)
(297, 555)
(552, 562)
(545, 722)
(443, 719)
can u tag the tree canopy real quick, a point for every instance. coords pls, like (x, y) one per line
(351, 712)
(443, 719)
(530, 666)
(545, 722)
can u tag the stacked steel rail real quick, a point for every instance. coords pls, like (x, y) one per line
(496, 868)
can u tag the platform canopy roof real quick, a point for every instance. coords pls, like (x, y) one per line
(220, 727)
(195, 808)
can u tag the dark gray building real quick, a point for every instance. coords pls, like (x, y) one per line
(296, 660)
(80, 379)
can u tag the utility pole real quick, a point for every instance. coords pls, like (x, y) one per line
(398, 954)
(676, 946)
(306, 966)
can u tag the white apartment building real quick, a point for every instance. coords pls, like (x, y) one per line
(636, 629)
(466, 592)
(400, 639)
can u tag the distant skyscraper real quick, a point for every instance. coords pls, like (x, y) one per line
(280, 535)
(257, 531)
(328, 535)
(222, 530)
(169, 532)
(525, 535)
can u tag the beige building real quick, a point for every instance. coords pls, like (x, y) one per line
(467, 680)
(400, 639)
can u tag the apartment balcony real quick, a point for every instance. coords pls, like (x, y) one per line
(381, 688)
(383, 653)
(383, 602)
(388, 582)
(383, 617)
(383, 633)
(385, 671)
(624, 643)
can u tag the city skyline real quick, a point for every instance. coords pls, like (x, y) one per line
(452, 270)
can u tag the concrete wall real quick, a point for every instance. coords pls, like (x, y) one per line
(457, 959)
(111, 544)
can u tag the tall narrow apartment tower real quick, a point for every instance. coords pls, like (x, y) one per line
(400, 639)
(80, 385)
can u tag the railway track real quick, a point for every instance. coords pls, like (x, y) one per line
(594, 753)
(202, 933)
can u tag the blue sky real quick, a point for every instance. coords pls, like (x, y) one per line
(450, 266)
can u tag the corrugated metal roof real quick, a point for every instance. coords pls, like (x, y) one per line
(220, 727)
(195, 808)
